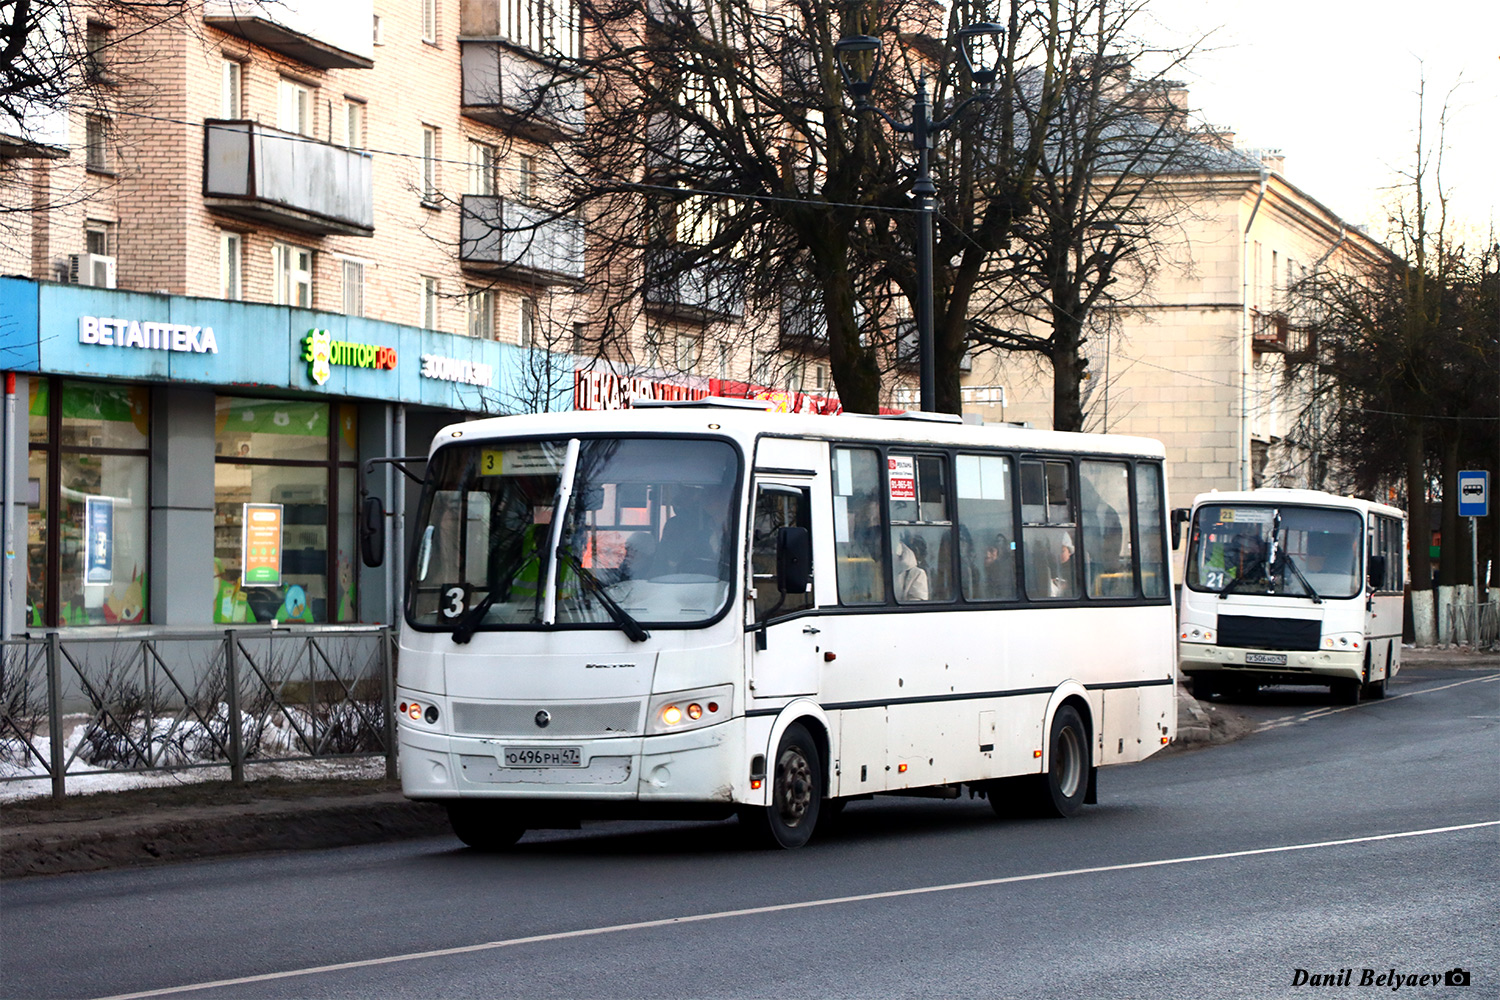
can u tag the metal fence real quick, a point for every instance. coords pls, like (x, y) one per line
(74, 705)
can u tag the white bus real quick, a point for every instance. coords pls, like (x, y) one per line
(693, 610)
(1292, 587)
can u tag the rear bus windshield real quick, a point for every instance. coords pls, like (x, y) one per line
(649, 524)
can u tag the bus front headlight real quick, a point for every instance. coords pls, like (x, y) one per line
(680, 710)
(1196, 633)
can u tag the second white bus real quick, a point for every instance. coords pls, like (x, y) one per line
(697, 610)
(1292, 587)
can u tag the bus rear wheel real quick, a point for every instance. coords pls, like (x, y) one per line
(1062, 789)
(796, 793)
(483, 826)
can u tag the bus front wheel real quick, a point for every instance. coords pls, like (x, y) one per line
(483, 826)
(796, 793)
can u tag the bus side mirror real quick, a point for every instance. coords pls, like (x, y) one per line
(793, 560)
(1179, 516)
(1376, 572)
(372, 531)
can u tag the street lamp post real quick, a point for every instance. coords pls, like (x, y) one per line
(859, 62)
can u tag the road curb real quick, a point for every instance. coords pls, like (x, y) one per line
(185, 835)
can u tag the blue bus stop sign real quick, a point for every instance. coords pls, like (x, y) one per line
(1473, 494)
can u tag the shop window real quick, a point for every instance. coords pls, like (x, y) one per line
(283, 540)
(87, 506)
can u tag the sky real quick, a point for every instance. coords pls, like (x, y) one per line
(1333, 85)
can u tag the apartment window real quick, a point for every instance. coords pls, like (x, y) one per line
(292, 266)
(429, 303)
(580, 339)
(231, 258)
(231, 82)
(354, 288)
(99, 237)
(687, 352)
(96, 146)
(376, 32)
(96, 45)
(429, 21)
(722, 368)
(526, 179)
(481, 168)
(527, 336)
(653, 346)
(354, 124)
(482, 313)
(296, 108)
(431, 150)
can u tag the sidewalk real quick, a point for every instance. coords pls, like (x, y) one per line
(211, 819)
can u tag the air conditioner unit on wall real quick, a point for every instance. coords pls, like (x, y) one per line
(94, 269)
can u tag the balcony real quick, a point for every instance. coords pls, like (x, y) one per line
(1269, 332)
(267, 175)
(508, 87)
(314, 32)
(703, 291)
(508, 238)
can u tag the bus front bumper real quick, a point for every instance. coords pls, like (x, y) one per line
(1271, 665)
(694, 766)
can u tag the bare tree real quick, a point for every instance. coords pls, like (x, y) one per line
(726, 183)
(1397, 383)
(1103, 205)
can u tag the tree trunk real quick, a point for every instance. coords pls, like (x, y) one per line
(1068, 370)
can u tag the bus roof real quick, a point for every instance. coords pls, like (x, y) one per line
(747, 423)
(1312, 498)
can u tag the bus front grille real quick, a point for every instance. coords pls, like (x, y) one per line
(1247, 632)
(563, 718)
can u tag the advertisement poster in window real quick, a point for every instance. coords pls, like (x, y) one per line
(262, 562)
(903, 470)
(99, 554)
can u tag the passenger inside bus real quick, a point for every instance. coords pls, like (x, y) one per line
(692, 539)
(911, 577)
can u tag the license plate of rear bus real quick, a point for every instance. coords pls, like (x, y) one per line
(543, 756)
(1267, 659)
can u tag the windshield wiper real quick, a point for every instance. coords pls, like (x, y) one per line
(1230, 587)
(632, 628)
(1288, 561)
(467, 625)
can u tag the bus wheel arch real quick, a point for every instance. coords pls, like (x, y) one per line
(797, 780)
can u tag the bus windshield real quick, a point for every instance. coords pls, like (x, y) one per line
(646, 534)
(1279, 551)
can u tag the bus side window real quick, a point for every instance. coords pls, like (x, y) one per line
(776, 507)
(1149, 513)
(921, 528)
(1108, 561)
(858, 537)
(986, 528)
(1049, 530)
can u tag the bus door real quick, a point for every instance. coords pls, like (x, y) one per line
(784, 650)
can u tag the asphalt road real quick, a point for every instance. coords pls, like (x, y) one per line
(1335, 838)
